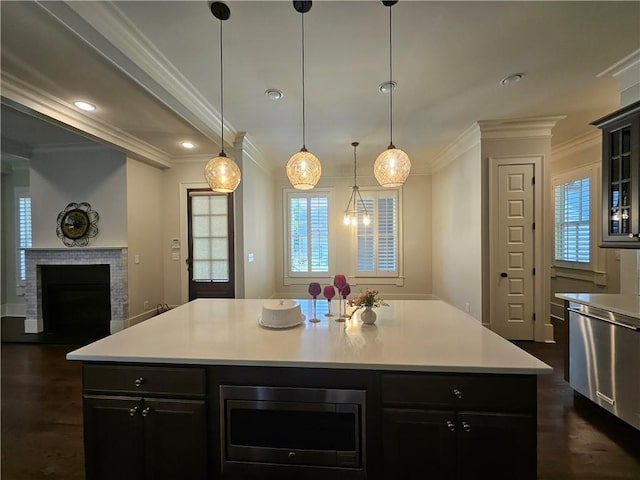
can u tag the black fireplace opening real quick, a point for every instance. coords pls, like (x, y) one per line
(76, 301)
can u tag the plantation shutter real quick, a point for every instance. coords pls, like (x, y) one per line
(377, 243)
(24, 234)
(572, 231)
(309, 234)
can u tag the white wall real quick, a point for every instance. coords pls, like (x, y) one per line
(259, 231)
(145, 217)
(416, 224)
(12, 299)
(456, 232)
(96, 175)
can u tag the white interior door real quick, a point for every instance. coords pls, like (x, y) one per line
(513, 256)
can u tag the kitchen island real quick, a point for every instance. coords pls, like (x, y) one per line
(204, 391)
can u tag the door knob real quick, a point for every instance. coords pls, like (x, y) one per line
(504, 274)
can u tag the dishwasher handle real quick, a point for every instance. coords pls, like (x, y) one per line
(607, 320)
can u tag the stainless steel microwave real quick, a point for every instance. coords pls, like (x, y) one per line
(292, 426)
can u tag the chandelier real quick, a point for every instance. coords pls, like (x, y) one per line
(392, 166)
(221, 172)
(351, 212)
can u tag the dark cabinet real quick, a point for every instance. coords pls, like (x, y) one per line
(430, 431)
(621, 177)
(143, 437)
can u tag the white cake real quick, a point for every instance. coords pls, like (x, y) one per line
(280, 313)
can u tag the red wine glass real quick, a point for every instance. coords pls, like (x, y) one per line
(329, 292)
(314, 290)
(344, 292)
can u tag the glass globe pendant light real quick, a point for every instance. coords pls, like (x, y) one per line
(303, 168)
(351, 212)
(392, 166)
(221, 172)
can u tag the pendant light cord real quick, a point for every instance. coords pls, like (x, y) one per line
(392, 86)
(304, 146)
(221, 93)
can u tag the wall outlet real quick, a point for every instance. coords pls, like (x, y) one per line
(145, 305)
(467, 307)
(136, 259)
(251, 257)
(175, 255)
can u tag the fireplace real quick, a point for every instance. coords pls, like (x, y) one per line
(102, 285)
(76, 300)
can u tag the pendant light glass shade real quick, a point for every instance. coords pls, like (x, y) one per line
(392, 167)
(304, 170)
(351, 212)
(221, 172)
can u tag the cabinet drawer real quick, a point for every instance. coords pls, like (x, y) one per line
(181, 381)
(487, 392)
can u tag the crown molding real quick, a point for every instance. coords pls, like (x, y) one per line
(15, 149)
(462, 144)
(576, 145)
(71, 147)
(534, 127)
(626, 71)
(106, 29)
(46, 104)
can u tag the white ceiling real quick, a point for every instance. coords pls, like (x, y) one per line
(152, 68)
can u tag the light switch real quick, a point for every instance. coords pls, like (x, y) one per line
(136, 259)
(250, 257)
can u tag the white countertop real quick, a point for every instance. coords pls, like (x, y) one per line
(415, 335)
(623, 304)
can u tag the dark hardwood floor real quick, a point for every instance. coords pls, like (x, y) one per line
(42, 421)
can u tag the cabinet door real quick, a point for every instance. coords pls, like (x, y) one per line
(419, 444)
(113, 438)
(498, 446)
(620, 177)
(175, 439)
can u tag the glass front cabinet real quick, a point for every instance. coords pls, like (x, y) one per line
(620, 177)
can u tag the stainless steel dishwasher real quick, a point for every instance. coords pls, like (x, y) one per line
(604, 360)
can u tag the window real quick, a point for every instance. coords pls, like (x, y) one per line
(23, 202)
(308, 233)
(572, 221)
(377, 244)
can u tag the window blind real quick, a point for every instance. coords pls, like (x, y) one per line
(24, 234)
(377, 243)
(572, 229)
(308, 234)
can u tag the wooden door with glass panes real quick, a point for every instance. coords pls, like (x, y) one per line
(210, 237)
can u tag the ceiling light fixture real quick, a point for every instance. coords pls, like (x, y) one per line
(187, 145)
(352, 211)
(274, 94)
(86, 106)
(222, 173)
(392, 166)
(511, 79)
(303, 168)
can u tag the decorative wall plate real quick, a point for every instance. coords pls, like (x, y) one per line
(76, 224)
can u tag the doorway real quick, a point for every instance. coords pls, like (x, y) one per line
(210, 261)
(514, 288)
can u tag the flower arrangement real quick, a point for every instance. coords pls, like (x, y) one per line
(368, 298)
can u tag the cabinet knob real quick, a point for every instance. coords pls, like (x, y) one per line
(466, 427)
(631, 235)
(292, 456)
(139, 381)
(451, 426)
(504, 274)
(133, 411)
(457, 393)
(146, 411)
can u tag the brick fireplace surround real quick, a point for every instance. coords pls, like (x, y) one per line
(116, 258)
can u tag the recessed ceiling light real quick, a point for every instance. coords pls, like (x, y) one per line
(187, 145)
(511, 79)
(386, 87)
(274, 94)
(86, 106)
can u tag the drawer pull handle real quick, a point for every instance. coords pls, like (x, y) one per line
(466, 427)
(451, 426)
(133, 411)
(604, 397)
(146, 411)
(457, 393)
(139, 381)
